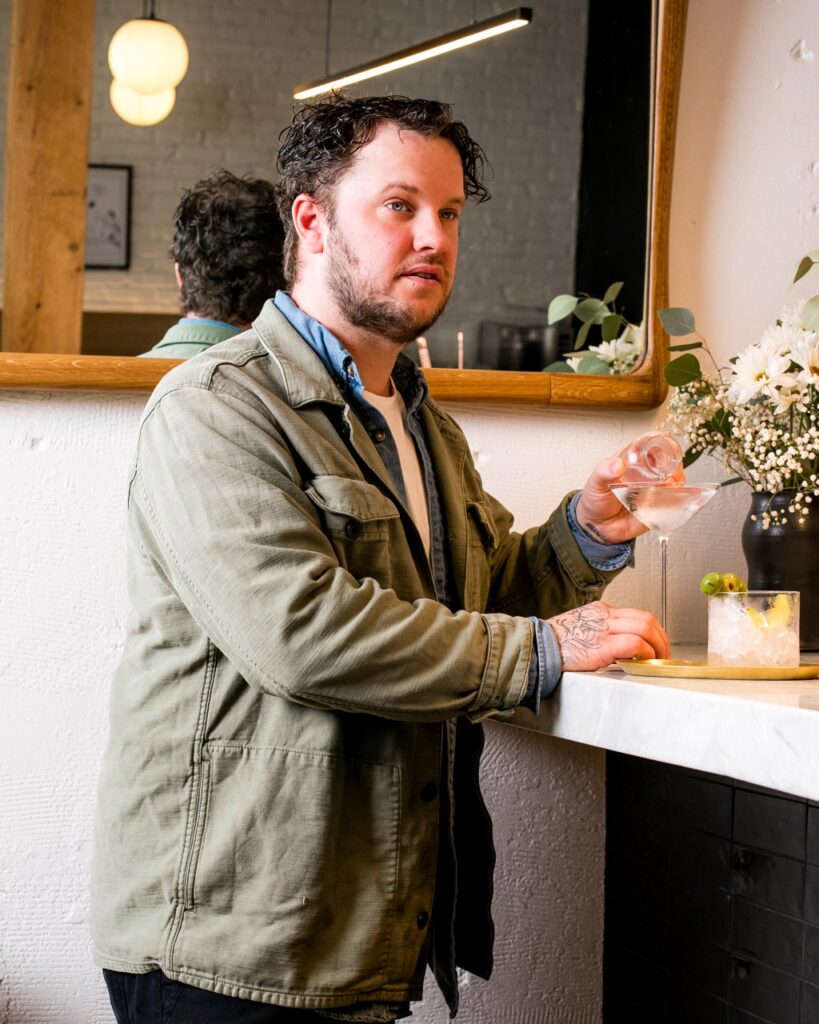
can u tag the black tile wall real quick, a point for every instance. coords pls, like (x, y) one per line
(810, 962)
(764, 935)
(813, 835)
(810, 1003)
(768, 993)
(689, 1005)
(812, 895)
(775, 882)
(712, 900)
(770, 823)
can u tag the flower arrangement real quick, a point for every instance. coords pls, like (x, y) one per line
(621, 348)
(761, 412)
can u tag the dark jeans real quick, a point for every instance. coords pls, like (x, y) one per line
(154, 999)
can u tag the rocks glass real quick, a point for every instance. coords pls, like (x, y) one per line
(754, 629)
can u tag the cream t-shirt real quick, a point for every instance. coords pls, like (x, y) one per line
(394, 411)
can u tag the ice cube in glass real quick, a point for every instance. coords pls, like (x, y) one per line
(754, 629)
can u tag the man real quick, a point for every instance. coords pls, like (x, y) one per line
(326, 604)
(227, 258)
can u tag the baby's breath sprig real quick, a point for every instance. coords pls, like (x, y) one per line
(761, 414)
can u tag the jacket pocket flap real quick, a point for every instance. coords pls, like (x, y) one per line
(354, 498)
(486, 527)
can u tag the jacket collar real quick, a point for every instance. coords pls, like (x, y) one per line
(334, 357)
(304, 375)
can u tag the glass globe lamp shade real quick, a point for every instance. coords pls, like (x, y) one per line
(139, 108)
(148, 55)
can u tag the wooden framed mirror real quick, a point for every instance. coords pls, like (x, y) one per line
(644, 387)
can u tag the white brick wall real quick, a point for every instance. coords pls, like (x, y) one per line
(517, 94)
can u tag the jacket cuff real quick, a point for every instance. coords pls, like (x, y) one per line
(510, 652)
(546, 670)
(600, 556)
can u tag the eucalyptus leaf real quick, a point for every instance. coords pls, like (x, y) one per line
(677, 320)
(591, 311)
(810, 314)
(611, 325)
(613, 291)
(720, 423)
(690, 458)
(683, 370)
(807, 265)
(685, 348)
(582, 334)
(593, 364)
(558, 367)
(560, 307)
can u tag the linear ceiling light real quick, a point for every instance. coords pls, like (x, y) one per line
(475, 33)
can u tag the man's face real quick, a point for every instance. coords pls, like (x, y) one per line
(392, 243)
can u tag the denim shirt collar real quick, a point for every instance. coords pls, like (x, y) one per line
(338, 362)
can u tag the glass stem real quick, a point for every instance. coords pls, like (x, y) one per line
(663, 579)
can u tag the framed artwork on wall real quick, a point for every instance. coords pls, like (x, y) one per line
(108, 217)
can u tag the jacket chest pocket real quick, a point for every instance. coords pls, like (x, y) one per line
(359, 522)
(483, 543)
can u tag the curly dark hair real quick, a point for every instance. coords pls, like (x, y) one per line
(321, 141)
(228, 241)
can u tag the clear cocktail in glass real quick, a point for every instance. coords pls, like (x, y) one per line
(754, 629)
(663, 507)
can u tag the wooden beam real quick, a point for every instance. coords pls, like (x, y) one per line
(49, 94)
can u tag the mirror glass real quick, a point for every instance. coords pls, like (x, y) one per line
(561, 108)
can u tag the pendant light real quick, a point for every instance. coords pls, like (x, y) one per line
(148, 58)
(141, 108)
(476, 32)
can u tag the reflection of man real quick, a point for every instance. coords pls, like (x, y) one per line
(326, 603)
(227, 257)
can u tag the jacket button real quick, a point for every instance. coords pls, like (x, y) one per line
(428, 792)
(423, 920)
(353, 529)
(379, 436)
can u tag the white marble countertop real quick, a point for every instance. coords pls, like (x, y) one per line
(766, 733)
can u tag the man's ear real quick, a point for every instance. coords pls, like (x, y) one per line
(178, 275)
(310, 222)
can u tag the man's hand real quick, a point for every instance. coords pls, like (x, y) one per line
(597, 634)
(600, 514)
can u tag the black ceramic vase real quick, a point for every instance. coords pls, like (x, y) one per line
(785, 557)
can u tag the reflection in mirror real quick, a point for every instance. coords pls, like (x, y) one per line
(561, 108)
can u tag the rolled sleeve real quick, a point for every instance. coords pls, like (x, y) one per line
(608, 557)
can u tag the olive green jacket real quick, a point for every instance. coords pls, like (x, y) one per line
(267, 827)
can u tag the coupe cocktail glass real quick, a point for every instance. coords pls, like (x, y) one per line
(663, 508)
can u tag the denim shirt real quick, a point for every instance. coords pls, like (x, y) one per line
(547, 665)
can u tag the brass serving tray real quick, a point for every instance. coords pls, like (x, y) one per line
(676, 668)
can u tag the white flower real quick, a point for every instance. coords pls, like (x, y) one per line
(621, 354)
(806, 354)
(759, 371)
(792, 315)
(781, 339)
(784, 398)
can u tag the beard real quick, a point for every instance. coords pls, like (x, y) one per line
(362, 306)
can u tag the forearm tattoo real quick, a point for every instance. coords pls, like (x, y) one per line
(598, 534)
(581, 631)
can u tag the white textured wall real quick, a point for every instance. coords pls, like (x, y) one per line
(744, 211)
